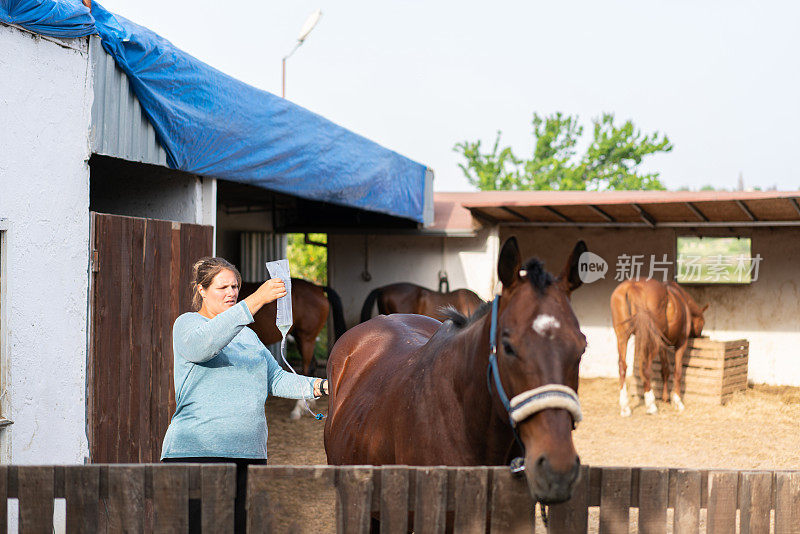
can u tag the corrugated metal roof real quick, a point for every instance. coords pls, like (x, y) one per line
(626, 208)
(119, 128)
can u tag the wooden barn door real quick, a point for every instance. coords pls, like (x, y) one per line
(140, 284)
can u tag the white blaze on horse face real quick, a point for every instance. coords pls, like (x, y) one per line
(545, 325)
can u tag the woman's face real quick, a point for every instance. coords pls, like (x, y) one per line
(221, 294)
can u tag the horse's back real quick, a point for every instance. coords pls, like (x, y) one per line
(385, 338)
(400, 297)
(367, 363)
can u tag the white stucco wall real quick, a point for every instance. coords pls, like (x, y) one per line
(45, 101)
(136, 190)
(766, 312)
(469, 262)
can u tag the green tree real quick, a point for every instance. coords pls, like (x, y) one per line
(610, 161)
(308, 261)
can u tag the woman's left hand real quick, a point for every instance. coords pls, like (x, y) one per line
(321, 387)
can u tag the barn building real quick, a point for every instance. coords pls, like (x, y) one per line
(111, 187)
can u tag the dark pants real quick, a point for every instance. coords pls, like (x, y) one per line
(240, 510)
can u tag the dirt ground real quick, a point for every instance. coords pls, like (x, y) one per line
(757, 429)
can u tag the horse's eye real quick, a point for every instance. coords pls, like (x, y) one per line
(508, 349)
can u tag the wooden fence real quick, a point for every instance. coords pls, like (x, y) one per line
(319, 499)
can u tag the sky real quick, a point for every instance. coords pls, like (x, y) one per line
(720, 78)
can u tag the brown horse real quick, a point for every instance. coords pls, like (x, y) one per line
(407, 389)
(310, 309)
(405, 297)
(657, 314)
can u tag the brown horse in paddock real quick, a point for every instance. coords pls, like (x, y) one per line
(407, 389)
(405, 297)
(658, 314)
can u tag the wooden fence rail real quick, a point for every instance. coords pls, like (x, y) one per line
(118, 497)
(319, 499)
(291, 499)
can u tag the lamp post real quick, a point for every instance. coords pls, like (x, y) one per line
(311, 21)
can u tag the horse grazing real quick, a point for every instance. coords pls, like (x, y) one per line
(406, 297)
(407, 389)
(658, 314)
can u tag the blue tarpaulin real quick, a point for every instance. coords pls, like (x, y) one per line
(214, 125)
(56, 18)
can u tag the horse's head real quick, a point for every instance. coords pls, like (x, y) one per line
(698, 321)
(539, 343)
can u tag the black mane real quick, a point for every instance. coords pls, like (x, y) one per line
(536, 275)
(460, 320)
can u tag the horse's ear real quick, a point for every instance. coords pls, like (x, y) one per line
(704, 308)
(570, 279)
(509, 263)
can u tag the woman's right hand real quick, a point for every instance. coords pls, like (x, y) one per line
(271, 290)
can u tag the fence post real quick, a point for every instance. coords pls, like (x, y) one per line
(354, 500)
(470, 494)
(787, 497)
(430, 506)
(126, 498)
(394, 499)
(171, 497)
(35, 498)
(512, 508)
(82, 492)
(572, 516)
(217, 497)
(722, 489)
(687, 501)
(755, 494)
(653, 499)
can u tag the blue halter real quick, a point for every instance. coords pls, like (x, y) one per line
(492, 370)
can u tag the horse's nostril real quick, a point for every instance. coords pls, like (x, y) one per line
(542, 461)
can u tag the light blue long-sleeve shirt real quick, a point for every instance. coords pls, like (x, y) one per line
(223, 375)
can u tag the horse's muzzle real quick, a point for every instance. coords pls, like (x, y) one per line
(548, 485)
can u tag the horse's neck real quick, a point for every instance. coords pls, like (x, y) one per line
(694, 309)
(487, 428)
(471, 349)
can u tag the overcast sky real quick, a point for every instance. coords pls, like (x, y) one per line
(720, 78)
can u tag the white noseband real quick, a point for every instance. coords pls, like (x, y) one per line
(548, 396)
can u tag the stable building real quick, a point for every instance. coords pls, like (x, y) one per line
(111, 185)
(621, 227)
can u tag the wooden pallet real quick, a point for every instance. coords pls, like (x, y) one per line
(712, 371)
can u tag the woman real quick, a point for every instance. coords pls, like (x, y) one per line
(223, 375)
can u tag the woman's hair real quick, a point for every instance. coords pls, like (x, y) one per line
(203, 272)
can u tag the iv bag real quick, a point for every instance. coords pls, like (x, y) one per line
(283, 319)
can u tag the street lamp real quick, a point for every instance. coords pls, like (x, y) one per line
(311, 21)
